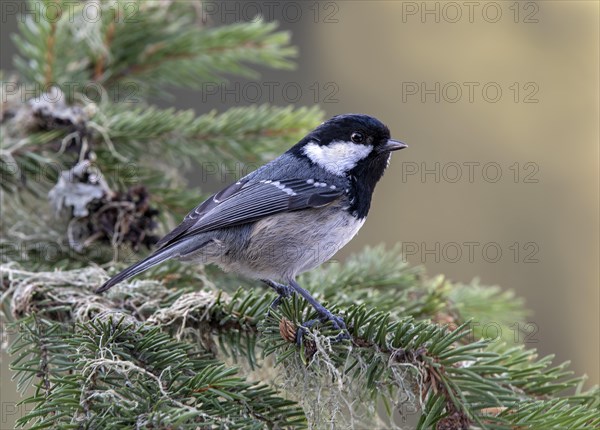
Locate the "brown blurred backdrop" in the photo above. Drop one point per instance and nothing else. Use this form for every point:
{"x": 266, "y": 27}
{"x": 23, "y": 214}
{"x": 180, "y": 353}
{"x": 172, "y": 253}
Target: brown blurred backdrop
{"x": 498, "y": 102}
{"x": 542, "y": 132}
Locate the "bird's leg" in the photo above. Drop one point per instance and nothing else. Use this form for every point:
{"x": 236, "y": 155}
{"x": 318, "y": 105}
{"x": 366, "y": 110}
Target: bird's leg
{"x": 284, "y": 291}
{"x": 324, "y": 314}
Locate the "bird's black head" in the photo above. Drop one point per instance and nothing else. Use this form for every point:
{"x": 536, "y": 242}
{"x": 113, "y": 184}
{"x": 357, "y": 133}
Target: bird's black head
{"x": 347, "y": 144}
{"x": 354, "y": 146}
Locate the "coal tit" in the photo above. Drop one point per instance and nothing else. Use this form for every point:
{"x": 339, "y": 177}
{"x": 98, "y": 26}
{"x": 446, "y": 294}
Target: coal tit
{"x": 289, "y": 215}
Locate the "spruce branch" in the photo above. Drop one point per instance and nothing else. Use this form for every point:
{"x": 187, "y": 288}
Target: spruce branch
{"x": 142, "y": 46}
{"x": 123, "y": 372}
{"x": 195, "y": 57}
{"x": 253, "y": 134}
{"x": 454, "y": 379}
{"x": 196, "y": 350}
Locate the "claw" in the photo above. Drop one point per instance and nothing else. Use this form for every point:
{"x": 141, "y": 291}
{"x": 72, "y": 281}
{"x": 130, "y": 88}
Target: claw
{"x": 283, "y": 291}
{"x": 303, "y": 329}
{"x": 282, "y": 295}
{"x": 337, "y": 322}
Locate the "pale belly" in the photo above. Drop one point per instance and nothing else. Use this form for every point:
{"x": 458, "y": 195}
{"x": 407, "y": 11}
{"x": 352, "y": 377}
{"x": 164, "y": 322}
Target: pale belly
{"x": 284, "y": 245}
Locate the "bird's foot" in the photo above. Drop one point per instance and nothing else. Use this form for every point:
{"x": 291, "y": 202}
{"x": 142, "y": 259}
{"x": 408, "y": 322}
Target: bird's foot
{"x": 324, "y": 315}
{"x": 284, "y": 292}
{"x": 336, "y": 321}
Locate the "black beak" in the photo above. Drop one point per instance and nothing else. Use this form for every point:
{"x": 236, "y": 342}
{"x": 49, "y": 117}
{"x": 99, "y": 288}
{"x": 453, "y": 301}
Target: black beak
{"x": 392, "y": 145}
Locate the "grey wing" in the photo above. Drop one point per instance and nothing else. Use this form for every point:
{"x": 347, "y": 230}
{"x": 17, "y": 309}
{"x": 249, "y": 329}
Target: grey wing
{"x": 192, "y": 217}
{"x": 245, "y": 202}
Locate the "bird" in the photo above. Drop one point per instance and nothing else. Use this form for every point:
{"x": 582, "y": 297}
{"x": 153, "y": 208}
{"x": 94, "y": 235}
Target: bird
{"x": 289, "y": 215}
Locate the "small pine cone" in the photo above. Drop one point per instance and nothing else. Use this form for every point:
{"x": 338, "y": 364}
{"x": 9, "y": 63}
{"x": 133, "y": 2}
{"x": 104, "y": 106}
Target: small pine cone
{"x": 287, "y": 329}
{"x": 454, "y": 421}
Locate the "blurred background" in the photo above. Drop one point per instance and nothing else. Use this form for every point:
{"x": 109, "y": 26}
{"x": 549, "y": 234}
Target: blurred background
{"x": 499, "y": 104}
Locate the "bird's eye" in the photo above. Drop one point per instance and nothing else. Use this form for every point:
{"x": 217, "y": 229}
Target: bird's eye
{"x": 357, "y": 137}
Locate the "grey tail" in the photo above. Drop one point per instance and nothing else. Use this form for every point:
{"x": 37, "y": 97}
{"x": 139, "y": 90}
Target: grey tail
{"x": 158, "y": 257}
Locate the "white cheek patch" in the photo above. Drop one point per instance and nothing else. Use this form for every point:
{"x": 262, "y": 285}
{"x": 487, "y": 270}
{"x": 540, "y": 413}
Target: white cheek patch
{"x": 338, "y": 157}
